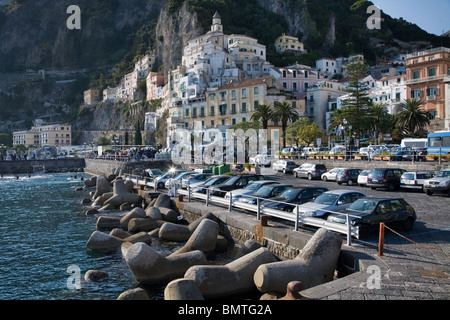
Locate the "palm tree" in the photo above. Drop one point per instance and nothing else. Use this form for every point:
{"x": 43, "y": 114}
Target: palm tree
{"x": 336, "y": 119}
{"x": 411, "y": 118}
{"x": 381, "y": 120}
{"x": 284, "y": 112}
{"x": 263, "y": 113}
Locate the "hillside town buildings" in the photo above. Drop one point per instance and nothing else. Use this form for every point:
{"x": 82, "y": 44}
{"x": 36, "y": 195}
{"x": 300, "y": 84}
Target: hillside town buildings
{"x": 222, "y": 79}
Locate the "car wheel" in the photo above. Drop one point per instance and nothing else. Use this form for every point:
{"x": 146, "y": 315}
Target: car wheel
{"x": 429, "y": 193}
{"x": 295, "y": 174}
{"x": 284, "y": 171}
{"x": 373, "y": 188}
{"x": 350, "y": 182}
{"x": 161, "y": 185}
{"x": 391, "y": 187}
{"x": 324, "y": 178}
{"x": 408, "y": 224}
{"x": 309, "y": 176}
{"x": 339, "y": 183}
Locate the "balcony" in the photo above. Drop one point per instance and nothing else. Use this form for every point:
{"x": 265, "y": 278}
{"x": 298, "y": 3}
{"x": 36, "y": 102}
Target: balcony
{"x": 425, "y": 79}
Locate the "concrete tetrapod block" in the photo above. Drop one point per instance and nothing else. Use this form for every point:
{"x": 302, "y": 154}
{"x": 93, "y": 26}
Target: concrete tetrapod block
{"x": 178, "y": 232}
{"x": 235, "y": 277}
{"x": 149, "y": 266}
{"x": 121, "y": 195}
{"x": 182, "y": 289}
{"x": 102, "y": 186}
{"x": 204, "y": 238}
{"x": 313, "y": 266}
{"x": 102, "y": 242}
{"x": 135, "y": 213}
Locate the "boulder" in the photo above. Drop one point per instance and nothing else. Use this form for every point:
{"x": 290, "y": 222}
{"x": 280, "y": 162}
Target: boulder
{"x": 95, "y": 275}
{"x": 168, "y": 214}
{"x": 142, "y": 224}
{"x": 154, "y": 213}
{"x": 163, "y": 201}
{"x": 91, "y": 182}
{"x": 99, "y": 201}
{"x": 108, "y": 222}
{"x": 139, "y": 237}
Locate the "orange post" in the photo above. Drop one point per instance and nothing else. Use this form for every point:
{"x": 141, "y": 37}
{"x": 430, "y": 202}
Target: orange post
{"x": 381, "y": 240}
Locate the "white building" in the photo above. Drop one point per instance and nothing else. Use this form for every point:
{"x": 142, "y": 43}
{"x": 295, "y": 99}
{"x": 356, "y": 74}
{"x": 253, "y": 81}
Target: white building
{"x": 390, "y": 91}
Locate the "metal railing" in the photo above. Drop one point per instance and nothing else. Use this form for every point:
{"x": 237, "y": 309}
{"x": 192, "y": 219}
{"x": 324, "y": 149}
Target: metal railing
{"x": 348, "y": 229}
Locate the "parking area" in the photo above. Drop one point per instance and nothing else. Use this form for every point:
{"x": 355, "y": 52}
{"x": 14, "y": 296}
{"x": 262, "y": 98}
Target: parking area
{"x": 432, "y": 211}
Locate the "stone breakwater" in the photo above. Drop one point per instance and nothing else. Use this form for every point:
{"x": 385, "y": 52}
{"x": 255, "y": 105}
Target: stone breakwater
{"x": 130, "y": 219}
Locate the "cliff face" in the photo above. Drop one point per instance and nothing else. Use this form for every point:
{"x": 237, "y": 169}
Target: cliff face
{"x": 34, "y": 34}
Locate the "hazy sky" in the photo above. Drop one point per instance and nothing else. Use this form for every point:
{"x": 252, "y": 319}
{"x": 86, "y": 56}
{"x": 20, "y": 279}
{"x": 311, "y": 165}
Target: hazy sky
{"x": 432, "y": 16}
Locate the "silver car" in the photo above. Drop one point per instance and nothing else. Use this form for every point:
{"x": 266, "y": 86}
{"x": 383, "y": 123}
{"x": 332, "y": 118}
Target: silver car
{"x": 329, "y": 201}
{"x": 249, "y": 189}
{"x": 194, "y": 178}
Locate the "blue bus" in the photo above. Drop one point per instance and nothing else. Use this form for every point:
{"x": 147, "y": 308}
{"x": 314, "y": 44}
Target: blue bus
{"x": 439, "y": 142}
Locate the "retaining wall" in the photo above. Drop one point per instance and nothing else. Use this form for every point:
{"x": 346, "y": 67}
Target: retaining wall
{"x": 31, "y": 166}
{"x": 98, "y": 166}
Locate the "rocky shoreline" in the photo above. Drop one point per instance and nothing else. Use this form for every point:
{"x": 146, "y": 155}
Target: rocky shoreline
{"x": 190, "y": 272}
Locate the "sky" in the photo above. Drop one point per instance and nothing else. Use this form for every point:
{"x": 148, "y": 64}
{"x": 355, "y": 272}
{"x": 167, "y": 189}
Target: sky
{"x": 432, "y": 16}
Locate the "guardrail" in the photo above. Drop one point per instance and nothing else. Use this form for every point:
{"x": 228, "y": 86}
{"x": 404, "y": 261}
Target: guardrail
{"x": 296, "y": 217}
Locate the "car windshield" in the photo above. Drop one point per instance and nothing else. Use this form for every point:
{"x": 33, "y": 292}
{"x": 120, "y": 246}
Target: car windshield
{"x": 231, "y": 181}
{"x": 252, "y": 186}
{"x": 364, "y": 173}
{"x": 326, "y": 198}
{"x": 377, "y": 173}
{"x": 264, "y": 191}
{"x": 362, "y": 206}
{"x": 212, "y": 181}
{"x": 408, "y": 176}
{"x": 289, "y": 194}
{"x": 443, "y": 174}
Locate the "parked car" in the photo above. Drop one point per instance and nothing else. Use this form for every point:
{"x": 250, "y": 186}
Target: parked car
{"x": 201, "y": 187}
{"x": 284, "y": 165}
{"x": 401, "y": 153}
{"x": 194, "y": 178}
{"x": 249, "y": 189}
{"x": 265, "y": 192}
{"x": 310, "y": 171}
{"x": 368, "y": 213}
{"x": 348, "y": 176}
{"x": 440, "y": 183}
{"x": 235, "y": 182}
{"x": 414, "y": 180}
{"x": 153, "y": 173}
{"x": 337, "y": 150}
{"x": 329, "y": 201}
{"x": 176, "y": 182}
{"x": 306, "y": 151}
{"x": 384, "y": 178}
{"x": 289, "y": 198}
{"x": 362, "y": 178}
{"x": 330, "y": 175}
{"x": 260, "y": 159}
{"x": 161, "y": 180}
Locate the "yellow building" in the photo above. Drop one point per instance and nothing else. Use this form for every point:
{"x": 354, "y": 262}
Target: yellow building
{"x": 289, "y": 43}
{"x": 235, "y": 102}
{"x": 41, "y": 135}
{"x": 91, "y": 97}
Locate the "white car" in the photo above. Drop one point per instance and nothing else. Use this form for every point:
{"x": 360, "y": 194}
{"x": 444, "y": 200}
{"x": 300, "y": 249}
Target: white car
{"x": 362, "y": 177}
{"x": 176, "y": 182}
{"x": 260, "y": 159}
{"x": 330, "y": 175}
{"x": 414, "y": 180}
{"x": 161, "y": 180}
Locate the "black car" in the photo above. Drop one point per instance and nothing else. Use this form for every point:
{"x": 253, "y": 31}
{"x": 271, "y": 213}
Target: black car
{"x": 235, "y": 182}
{"x": 384, "y": 178}
{"x": 368, "y": 213}
{"x": 348, "y": 176}
{"x": 265, "y": 192}
{"x": 214, "y": 180}
{"x": 289, "y": 198}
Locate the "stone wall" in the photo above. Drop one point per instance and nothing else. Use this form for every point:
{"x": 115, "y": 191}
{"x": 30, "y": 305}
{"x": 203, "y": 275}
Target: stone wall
{"x": 97, "y": 166}
{"x": 31, "y": 166}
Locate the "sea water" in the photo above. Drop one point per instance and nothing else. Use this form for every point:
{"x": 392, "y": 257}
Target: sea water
{"x": 43, "y": 232}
